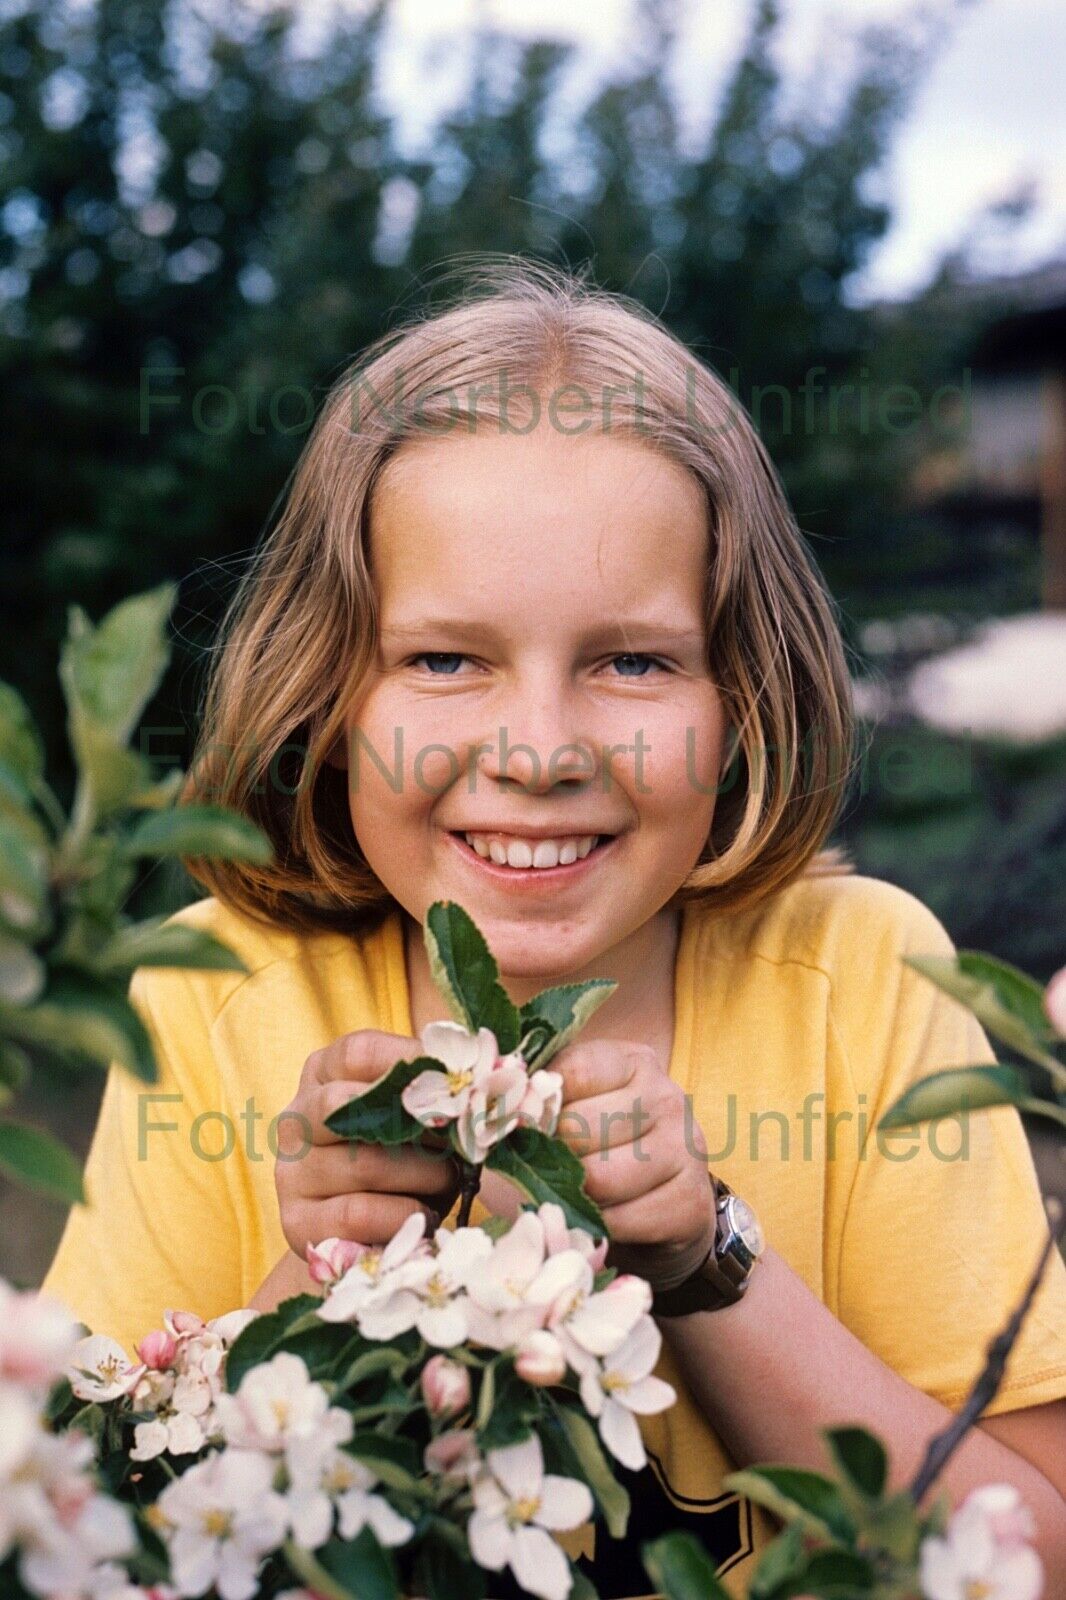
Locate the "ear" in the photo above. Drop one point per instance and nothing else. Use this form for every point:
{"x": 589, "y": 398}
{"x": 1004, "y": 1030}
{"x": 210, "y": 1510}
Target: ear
{"x": 337, "y": 754}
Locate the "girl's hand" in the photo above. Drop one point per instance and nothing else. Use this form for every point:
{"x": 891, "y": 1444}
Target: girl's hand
{"x": 644, "y": 1156}
{"x": 330, "y": 1188}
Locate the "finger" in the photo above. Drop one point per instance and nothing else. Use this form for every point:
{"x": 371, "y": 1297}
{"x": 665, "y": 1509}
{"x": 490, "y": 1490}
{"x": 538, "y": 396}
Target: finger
{"x": 365, "y": 1218}
{"x": 362, "y": 1057}
{"x": 614, "y": 1176}
{"x": 666, "y": 1215}
{"x": 598, "y": 1066}
{"x": 606, "y": 1121}
{"x": 341, "y": 1169}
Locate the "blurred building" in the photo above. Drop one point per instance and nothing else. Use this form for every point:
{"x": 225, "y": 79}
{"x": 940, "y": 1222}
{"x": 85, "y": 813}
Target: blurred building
{"x": 1008, "y": 466}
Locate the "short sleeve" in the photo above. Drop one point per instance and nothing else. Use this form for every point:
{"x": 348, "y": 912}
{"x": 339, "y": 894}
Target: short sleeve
{"x": 159, "y": 1230}
{"x": 944, "y": 1222}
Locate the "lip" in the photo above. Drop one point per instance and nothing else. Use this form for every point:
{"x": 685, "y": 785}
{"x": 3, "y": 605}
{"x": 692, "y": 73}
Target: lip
{"x": 527, "y": 880}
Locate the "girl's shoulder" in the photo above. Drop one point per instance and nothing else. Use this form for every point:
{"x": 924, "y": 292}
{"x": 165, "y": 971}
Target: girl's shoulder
{"x": 837, "y": 923}
{"x": 269, "y": 953}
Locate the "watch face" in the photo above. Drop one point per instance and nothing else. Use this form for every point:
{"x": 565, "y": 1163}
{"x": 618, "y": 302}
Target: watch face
{"x": 746, "y": 1224}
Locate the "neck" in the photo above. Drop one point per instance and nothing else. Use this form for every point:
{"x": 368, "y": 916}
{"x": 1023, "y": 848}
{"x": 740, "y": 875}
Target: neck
{"x": 642, "y": 965}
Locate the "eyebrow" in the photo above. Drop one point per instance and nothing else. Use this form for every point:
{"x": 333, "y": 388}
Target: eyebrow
{"x": 459, "y": 627}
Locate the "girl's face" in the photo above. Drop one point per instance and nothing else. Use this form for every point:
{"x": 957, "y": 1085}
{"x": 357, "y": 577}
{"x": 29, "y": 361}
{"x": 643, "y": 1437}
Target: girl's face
{"x": 540, "y": 681}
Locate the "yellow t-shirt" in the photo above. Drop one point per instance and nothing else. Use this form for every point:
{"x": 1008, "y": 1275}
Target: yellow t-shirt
{"x": 920, "y": 1244}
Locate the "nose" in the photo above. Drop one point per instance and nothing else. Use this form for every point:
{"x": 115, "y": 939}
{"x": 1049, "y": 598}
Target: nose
{"x": 537, "y": 747}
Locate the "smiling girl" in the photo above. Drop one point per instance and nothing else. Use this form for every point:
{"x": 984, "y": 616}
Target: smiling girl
{"x": 536, "y": 632}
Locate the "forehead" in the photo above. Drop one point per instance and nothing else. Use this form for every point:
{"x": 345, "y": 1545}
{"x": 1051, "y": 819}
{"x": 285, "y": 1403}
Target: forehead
{"x": 607, "y": 516}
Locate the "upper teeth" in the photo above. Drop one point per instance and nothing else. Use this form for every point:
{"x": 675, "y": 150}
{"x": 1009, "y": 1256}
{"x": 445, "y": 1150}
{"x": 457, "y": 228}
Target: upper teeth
{"x": 511, "y": 852}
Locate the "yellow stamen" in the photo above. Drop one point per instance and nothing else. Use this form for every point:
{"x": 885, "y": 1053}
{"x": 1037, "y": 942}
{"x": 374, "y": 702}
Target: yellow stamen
{"x": 523, "y": 1510}
{"x": 458, "y": 1081}
{"x": 218, "y": 1523}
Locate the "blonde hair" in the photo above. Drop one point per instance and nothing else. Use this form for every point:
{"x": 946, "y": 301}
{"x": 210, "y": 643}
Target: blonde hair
{"x": 300, "y": 635}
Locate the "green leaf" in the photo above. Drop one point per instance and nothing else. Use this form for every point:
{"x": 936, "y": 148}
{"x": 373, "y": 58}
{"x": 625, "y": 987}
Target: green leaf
{"x": 780, "y": 1562}
{"x": 84, "y": 1016}
{"x": 395, "y": 1460}
{"x": 22, "y": 973}
{"x": 681, "y": 1569}
{"x": 378, "y": 1115}
{"x": 210, "y": 831}
{"x": 794, "y": 1494}
{"x": 370, "y": 1364}
{"x": 1007, "y": 1003}
{"x": 593, "y": 1468}
{"x": 441, "y": 1572}
{"x": 32, "y": 1157}
{"x": 860, "y": 1456}
{"x": 366, "y": 1571}
{"x": 465, "y": 971}
{"x": 544, "y": 1169}
{"x": 109, "y": 673}
{"x": 20, "y": 743}
{"x": 581, "y": 1587}
{"x": 14, "y": 1065}
{"x": 835, "y": 1575}
{"x": 259, "y": 1340}
{"x": 957, "y": 1089}
{"x": 562, "y": 1012}
{"x": 23, "y": 877}
{"x": 515, "y": 1408}
{"x": 160, "y": 943}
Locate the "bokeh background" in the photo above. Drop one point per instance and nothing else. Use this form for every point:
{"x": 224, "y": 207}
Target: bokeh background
{"x": 855, "y": 212}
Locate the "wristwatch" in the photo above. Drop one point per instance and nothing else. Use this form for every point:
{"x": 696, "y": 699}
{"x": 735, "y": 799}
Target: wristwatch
{"x": 723, "y": 1276}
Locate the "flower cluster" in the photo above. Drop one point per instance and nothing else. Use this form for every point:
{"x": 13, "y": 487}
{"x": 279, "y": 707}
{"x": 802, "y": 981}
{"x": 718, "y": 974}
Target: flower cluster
{"x": 177, "y": 1380}
{"x": 69, "y": 1536}
{"x": 984, "y": 1550}
{"x": 283, "y": 1472}
{"x": 534, "y": 1293}
{"x": 482, "y": 1094}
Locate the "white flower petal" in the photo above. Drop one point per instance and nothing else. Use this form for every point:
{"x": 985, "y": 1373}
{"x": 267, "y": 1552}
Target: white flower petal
{"x": 647, "y": 1396}
{"x": 539, "y": 1564}
{"x": 621, "y": 1434}
{"x": 518, "y": 1467}
{"x": 490, "y": 1540}
{"x": 564, "y": 1503}
{"x": 443, "y": 1326}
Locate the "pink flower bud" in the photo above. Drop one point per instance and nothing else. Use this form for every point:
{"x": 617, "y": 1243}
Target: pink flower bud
{"x": 1055, "y": 1002}
{"x": 329, "y": 1261}
{"x": 181, "y": 1323}
{"x": 157, "y": 1350}
{"x": 445, "y": 1387}
{"x": 453, "y": 1454}
{"x": 539, "y": 1359}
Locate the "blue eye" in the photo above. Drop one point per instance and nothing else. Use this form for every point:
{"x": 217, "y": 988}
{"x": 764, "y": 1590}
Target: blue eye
{"x": 642, "y": 663}
{"x": 451, "y": 660}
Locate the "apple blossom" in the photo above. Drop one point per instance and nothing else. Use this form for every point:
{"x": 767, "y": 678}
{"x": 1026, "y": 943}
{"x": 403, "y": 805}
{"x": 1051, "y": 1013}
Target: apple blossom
{"x": 517, "y": 1506}
{"x": 220, "y": 1520}
{"x": 329, "y": 1261}
{"x": 37, "y": 1335}
{"x": 453, "y": 1454}
{"x": 157, "y": 1350}
{"x": 323, "y": 1478}
{"x": 984, "y": 1550}
{"x": 542, "y": 1101}
{"x": 277, "y": 1402}
{"x": 436, "y": 1098}
{"x": 558, "y": 1237}
{"x": 100, "y": 1370}
{"x": 540, "y": 1358}
{"x": 445, "y": 1387}
{"x": 493, "y": 1109}
{"x": 374, "y": 1271}
{"x": 426, "y": 1293}
{"x": 622, "y": 1388}
{"x": 508, "y": 1298}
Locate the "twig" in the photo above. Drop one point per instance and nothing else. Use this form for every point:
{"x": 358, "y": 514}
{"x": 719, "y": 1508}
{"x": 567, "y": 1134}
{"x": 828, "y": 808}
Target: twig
{"x": 470, "y": 1185}
{"x": 984, "y": 1389}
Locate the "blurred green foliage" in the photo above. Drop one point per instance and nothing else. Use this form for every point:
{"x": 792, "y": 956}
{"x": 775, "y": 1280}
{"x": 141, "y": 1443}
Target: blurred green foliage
{"x": 193, "y": 198}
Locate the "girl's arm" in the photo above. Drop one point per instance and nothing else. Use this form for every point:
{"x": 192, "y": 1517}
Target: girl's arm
{"x": 290, "y": 1277}
{"x": 772, "y": 1370}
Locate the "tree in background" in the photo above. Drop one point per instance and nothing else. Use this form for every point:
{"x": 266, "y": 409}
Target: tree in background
{"x": 206, "y": 202}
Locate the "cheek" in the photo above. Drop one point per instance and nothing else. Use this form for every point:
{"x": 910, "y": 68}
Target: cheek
{"x": 681, "y": 769}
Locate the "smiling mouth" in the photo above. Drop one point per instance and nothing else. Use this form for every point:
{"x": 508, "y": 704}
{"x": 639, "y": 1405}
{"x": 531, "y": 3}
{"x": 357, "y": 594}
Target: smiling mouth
{"x": 532, "y": 857}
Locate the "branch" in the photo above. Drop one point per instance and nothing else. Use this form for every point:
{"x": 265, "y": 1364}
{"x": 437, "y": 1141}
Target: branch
{"x": 942, "y": 1445}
